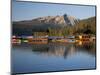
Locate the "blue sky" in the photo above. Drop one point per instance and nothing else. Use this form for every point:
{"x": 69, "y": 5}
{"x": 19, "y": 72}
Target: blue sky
{"x": 31, "y": 10}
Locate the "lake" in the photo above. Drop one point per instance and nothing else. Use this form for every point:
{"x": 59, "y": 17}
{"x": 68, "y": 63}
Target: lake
{"x": 52, "y": 57}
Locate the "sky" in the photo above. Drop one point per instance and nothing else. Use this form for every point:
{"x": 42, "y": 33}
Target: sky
{"x": 31, "y": 10}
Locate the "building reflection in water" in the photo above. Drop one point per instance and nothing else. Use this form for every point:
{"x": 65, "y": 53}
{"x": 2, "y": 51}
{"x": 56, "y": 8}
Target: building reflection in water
{"x": 88, "y": 47}
{"x": 65, "y": 50}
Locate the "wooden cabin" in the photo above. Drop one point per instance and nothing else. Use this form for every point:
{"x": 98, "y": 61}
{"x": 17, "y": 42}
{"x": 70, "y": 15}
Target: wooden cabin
{"x": 83, "y": 38}
{"x": 38, "y": 40}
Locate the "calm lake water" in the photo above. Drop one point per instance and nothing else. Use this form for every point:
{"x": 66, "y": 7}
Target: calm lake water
{"x": 52, "y": 57}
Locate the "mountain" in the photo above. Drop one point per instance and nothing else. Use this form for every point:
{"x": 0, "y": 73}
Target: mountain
{"x": 42, "y": 24}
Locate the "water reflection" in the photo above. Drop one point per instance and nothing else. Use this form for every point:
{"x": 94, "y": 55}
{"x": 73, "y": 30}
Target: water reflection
{"x": 52, "y": 57}
{"x": 64, "y": 50}
{"x": 88, "y": 47}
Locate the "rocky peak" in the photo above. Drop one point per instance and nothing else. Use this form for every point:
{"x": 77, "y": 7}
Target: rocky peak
{"x": 61, "y": 20}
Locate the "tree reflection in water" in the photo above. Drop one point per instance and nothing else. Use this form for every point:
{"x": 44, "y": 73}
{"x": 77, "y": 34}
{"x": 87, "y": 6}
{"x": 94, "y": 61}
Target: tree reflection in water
{"x": 65, "y": 50}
